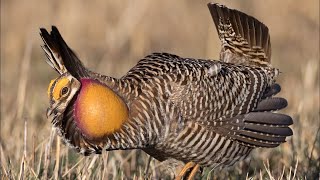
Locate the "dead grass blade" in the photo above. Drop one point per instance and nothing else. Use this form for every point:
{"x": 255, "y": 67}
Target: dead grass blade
{"x": 57, "y": 166}
{"x": 73, "y": 167}
{"x": 47, "y": 154}
{"x": 23, "y": 79}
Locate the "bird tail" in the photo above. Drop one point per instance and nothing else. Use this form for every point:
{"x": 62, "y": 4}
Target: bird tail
{"x": 245, "y": 40}
{"x": 257, "y": 129}
{"x": 262, "y": 127}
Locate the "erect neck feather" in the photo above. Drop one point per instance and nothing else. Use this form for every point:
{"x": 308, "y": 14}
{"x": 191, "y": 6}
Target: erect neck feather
{"x": 99, "y": 111}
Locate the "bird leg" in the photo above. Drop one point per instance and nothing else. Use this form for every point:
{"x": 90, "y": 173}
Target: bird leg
{"x": 193, "y": 172}
{"x": 190, "y": 165}
{"x": 147, "y": 168}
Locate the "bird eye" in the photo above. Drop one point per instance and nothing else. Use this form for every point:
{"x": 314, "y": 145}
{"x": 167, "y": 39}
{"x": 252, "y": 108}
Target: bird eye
{"x": 64, "y": 91}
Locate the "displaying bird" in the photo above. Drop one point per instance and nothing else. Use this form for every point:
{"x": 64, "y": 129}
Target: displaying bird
{"x": 206, "y": 113}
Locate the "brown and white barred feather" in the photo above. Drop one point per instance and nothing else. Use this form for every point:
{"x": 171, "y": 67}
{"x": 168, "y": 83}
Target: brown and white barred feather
{"x": 215, "y": 112}
{"x": 245, "y": 40}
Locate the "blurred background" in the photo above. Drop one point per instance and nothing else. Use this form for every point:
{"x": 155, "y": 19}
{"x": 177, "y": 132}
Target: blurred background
{"x": 110, "y": 37}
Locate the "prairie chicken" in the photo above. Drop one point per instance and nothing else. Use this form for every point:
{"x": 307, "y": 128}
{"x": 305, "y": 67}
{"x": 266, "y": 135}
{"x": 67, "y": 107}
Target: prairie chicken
{"x": 206, "y": 113}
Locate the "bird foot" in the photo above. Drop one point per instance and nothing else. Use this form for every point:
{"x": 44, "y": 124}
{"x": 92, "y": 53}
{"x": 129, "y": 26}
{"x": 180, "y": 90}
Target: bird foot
{"x": 190, "y": 165}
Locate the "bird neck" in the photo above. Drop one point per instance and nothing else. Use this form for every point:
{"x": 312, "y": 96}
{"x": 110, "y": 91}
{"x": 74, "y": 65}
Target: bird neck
{"x": 99, "y": 111}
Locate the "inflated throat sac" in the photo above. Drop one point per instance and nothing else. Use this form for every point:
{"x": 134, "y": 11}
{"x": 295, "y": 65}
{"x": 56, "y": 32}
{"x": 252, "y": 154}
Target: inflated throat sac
{"x": 98, "y": 110}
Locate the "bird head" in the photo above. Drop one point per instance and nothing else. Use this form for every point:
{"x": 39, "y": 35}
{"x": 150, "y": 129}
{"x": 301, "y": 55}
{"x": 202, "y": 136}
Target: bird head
{"x": 60, "y": 93}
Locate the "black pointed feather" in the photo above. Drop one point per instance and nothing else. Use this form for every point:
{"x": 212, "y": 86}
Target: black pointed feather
{"x": 276, "y": 88}
{"x": 248, "y": 141}
{"x": 257, "y": 129}
{"x": 271, "y": 91}
{"x": 54, "y": 44}
{"x": 51, "y": 50}
{"x": 268, "y": 118}
{"x": 71, "y": 61}
{"x": 280, "y": 131}
{"x": 271, "y": 104}
{"x": 261, "y": 136}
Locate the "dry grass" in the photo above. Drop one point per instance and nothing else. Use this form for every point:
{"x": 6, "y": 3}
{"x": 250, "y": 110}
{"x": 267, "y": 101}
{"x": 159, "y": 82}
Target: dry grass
{"x": 110, "y": 37}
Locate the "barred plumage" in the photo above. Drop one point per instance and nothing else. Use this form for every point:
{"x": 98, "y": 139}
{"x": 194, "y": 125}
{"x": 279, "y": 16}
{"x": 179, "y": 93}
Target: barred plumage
{"x": 212, "y": 113}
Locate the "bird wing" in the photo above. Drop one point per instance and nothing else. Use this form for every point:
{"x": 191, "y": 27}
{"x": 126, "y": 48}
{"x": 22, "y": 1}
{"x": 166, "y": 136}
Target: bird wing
{"x": 245, "y": 40}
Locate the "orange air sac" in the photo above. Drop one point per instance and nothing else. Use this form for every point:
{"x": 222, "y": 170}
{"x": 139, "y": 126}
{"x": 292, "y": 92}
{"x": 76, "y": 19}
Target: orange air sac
{"x": 98, "y": 110}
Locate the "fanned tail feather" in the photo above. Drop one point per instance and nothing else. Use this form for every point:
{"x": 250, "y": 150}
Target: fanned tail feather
{"x": 245, "y": 40}
{"x": 271, "y": 104}
{"x": 271, "y": 91}
{"x": 257, "y": 129}
{"x": 265, "y": 129}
